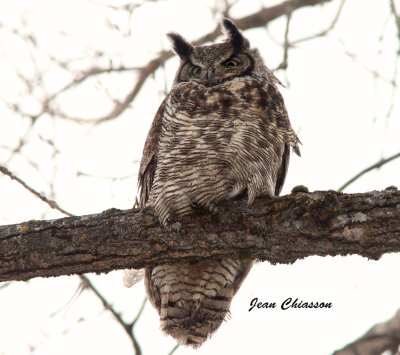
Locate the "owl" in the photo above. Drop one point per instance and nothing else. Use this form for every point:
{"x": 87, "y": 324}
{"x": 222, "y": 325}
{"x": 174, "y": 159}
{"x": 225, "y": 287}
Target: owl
{"x": 221, "y": 133}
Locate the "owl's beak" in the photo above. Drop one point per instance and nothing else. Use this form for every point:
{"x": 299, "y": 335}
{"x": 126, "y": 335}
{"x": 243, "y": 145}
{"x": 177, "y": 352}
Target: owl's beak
{"x": 210, "y": 74}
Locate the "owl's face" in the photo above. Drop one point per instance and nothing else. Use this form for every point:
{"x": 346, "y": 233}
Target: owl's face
{"x": 213, "y": 64}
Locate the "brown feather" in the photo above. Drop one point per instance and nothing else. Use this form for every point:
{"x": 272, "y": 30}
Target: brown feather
{"x": 283, "y": 170}
{"x": 148, "y": 164}
{"x": 223, "y": 131}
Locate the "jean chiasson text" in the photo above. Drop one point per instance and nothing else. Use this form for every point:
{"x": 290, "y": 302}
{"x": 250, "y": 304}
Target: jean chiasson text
{"x": 289, "y": 303}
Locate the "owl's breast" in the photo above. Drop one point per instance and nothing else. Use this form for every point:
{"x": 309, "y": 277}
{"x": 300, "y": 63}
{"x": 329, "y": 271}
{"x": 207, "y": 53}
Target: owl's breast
{"x": 228, "y": 99}
{"x": 215, "y": 143}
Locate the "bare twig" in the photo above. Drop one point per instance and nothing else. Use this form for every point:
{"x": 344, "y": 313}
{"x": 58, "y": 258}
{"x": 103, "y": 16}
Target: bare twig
{"x": 174, "y": 349}
{"x": 73, "y": 298}
{"x": 377, "y": 165}
{"x": 379, "y": 339}
{"x": 82, "y": 76}
{"x": 132, "y": 324}
{"x": 286, "y": 44}
{"x": 258, "y": 19}
{"x": 22, "y": 141}
{"x": 5, "y": 284}
{"x": 112, "y": 178}
{"x": 325, "y": 31}
{"x": 128, "y": 327}
{"x": 51, "y": 203}
{"x": 396, "y": 64}
{"x": 86, "y": 282}
{"x": 79, "y": 78}
{"x": 375, "y": 73}
{"x": 394, "y": 87}
{"x": 396, "y": 16}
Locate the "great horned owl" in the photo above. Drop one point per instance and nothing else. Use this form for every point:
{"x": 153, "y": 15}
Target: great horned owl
{"x": 222, "y": 132}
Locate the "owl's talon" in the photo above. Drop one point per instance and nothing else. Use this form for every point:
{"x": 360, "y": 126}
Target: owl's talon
{"x": 175, "y": 227}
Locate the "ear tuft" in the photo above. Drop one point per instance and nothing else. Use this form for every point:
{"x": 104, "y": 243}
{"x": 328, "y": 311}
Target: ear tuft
{"x": 236, "y": 37}
{"x": 182, "y": 47}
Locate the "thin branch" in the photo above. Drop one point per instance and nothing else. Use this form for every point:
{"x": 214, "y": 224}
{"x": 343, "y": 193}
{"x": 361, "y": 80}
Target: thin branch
{"x": 174, "y": 349}
{"x": 143, "y": 74}
{"x": 79, "y": 78}
{"x": 113, "y": 178}
{"x": 379, "y": 339}
{"x": 325, "y": 31}
{"x": 394, "y": 88}
{"x": 73, "y": 298}
{"x": 85, "y": 280}
{"x": 128, "y": 327}
{"x": 375, "y": 73}
{"x": 258, "y": 19}
{"x": 23, "y": 139}
{"x": 4, "y": 285}
{"x": 86, "y": 74}
{"x": 284, "y": 64}
{"x": 377, "y": 165}
{"x": 141, "y": 309}
{"x": 396, "y": 64}
{"x": 396, "y": 16}
{"x": 51, "y": 203}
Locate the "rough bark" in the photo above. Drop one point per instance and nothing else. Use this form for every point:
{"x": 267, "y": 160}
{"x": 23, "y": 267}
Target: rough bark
{"x": 281, "y": 230}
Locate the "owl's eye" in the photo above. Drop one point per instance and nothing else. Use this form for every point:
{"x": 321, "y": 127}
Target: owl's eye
{"x": 231, "y": 63}
{"x": 196, "y": 70}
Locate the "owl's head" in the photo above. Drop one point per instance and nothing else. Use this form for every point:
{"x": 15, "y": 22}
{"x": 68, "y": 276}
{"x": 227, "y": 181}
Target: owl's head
{"x": 213, "y": 64}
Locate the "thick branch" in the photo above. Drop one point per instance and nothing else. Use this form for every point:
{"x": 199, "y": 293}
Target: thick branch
{"x": 280, "y": 231}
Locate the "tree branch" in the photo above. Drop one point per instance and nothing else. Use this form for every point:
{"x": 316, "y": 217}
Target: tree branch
{"x": 127, "y": 327}
{"x": 326, "y": 30}
{"x": 281, "y": 230}
{"x": 377, "y": 165}
{"x": 51, "y": 203}
{"x": 257, "y": 19}
{"x": 379, "y": 339}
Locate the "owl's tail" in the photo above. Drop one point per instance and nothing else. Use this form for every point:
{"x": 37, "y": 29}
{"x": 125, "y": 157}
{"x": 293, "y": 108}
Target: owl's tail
{"x": 194, "y": 299}
{"x": 192, "y": 324}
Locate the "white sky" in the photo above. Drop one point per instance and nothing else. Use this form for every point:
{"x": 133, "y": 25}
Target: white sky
{"x": 335, "y": 105}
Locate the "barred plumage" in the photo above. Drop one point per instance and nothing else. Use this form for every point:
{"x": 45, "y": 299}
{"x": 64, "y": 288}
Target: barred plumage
{"x": 194, "y": 299}
{"x": 221, "y": 132}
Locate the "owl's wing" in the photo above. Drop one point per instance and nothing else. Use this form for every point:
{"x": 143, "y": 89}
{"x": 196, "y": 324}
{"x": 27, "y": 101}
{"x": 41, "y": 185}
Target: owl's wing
{"x": 287, "y": 134}
{"x": 285, "y": 162}
{"x": 148, "y": 163}
{"x": 132, "y": 277}
{"x": 153, "y": 292}
{"x": 282, "y": 170}
{"x": 244, "y": 269}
